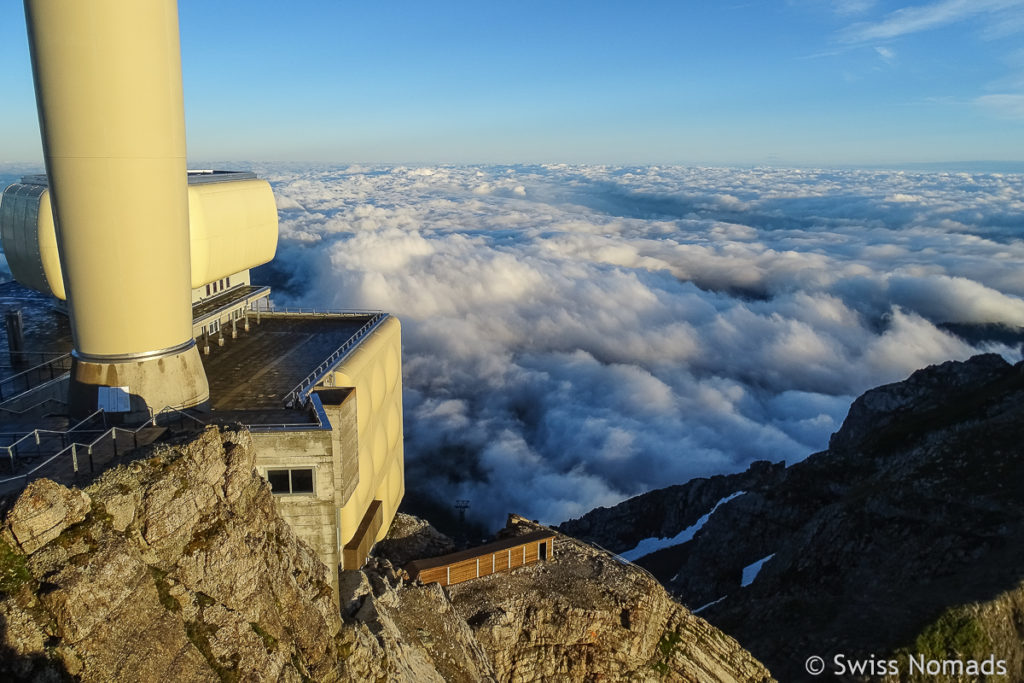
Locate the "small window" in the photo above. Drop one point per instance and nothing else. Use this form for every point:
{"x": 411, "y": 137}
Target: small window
{"x": 279, "y": 481}
{"x": 283, "y": 482}
{"x": 302, "y": 481}
{"x": 207, "y": 290}
{"x": 227, "y": 281}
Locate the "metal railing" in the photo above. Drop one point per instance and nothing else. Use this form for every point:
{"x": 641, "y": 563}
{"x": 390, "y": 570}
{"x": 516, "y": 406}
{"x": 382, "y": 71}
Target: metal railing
{"x": 182, "y": 416}
{"x": 72, "y": 446}
{"x": 322, "y": 422}
{"x": 17, "y": 358}
{"x": 301, "y": 392}
{"x": 80, "y": 441}
{"x": 18, "y": 384}
{"x": 69, "y": 446}
{"x": 33, "y": 407}
{"x": 267, "y": 306}
{"x": 34, "y": 441}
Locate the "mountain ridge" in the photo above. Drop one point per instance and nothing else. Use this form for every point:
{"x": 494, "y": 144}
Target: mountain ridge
{"x": 902, "y": 535}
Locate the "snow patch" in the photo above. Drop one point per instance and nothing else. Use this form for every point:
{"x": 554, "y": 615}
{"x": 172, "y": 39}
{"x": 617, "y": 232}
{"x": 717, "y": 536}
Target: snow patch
{"x": 704, "y": 607}
{"x": 751, "y": 571}
{"x": 649, "y": 545}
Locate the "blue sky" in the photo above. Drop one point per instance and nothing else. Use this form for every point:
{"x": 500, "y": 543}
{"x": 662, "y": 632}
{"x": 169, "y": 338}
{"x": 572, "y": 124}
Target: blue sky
{"x": 803, "y": 82}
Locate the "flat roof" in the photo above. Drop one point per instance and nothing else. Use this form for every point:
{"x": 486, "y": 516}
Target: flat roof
{"x": 257, "y": 370}
{"x": 250, "y": 376}
{"x": 495, "y": 546}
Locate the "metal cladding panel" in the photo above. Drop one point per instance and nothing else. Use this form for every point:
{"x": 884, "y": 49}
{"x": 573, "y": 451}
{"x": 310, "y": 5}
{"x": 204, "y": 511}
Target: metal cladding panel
{"x": 375, "y": 370}
{"x": 108, "y": 85}
{"x": 232, "y": 227}
{"x": 28, "y": 238}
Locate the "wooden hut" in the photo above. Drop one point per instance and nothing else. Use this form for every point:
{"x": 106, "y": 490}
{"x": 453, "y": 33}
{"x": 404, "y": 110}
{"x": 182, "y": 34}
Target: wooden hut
{"x": 508, "y": 553}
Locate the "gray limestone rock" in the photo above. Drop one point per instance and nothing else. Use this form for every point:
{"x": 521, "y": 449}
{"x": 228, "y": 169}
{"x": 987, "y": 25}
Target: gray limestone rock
{"x": 179, "y": 567}
{"x": 43, "y": 511}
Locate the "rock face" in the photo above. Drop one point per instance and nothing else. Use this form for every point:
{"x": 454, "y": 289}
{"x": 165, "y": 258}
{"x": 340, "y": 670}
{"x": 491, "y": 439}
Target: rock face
{"x": 178, "y": 567}
{"x": 663, "y": 513}
{"x": 174, "y": 567}
{"x": 902, "y": 539}
{"x": 581, "y": 615}
{"x": 586, "y": 615}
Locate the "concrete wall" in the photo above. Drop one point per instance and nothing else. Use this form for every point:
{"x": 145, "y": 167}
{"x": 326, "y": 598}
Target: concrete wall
{"x": 359, "y": 460}
{"x": 332, "y": 454}
{"x": 313, "y": 517}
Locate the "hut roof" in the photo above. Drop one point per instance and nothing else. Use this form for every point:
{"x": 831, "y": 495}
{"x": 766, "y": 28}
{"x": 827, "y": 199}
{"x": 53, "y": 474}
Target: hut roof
{"x": 417, "y": 566}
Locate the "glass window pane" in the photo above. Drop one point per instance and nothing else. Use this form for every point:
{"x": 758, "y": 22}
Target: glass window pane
{"x": 302, "y": 481}
{"x": 278, "y": 480}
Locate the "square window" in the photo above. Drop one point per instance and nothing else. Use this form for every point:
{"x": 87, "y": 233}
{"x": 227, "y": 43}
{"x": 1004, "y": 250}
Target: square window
{"x": 284, "y": 482}
{"x": 302, "y": 481}
{"x": 278, "y": 481}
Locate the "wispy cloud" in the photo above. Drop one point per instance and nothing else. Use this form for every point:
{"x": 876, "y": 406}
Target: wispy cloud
{"x": 1006, "y": 105}
{"x": 852, "y": 6}
{"x": 886, "y": 53}
{"x": 919, "y": 18}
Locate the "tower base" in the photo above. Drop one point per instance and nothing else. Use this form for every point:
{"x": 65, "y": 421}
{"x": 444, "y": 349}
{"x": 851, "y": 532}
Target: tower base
{"x": 136, "y": 388}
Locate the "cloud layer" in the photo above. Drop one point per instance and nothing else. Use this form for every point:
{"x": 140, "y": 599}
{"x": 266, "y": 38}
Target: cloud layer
{"x": 575, "y": 335}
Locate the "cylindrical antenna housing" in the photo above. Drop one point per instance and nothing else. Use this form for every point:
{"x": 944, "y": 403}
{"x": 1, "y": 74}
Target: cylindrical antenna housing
{"x": 109, "y": 91}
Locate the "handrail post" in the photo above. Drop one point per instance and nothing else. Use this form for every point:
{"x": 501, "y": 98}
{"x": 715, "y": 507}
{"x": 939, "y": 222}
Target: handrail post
{"x": 74, "y": 457}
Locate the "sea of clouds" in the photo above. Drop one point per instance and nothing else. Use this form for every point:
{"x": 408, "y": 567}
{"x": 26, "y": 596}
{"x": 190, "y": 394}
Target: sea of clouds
{"x": 575, "y": 335}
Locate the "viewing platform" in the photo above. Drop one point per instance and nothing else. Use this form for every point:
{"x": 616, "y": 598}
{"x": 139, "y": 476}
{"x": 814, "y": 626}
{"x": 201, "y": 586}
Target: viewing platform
{"x": 256, "y": 377}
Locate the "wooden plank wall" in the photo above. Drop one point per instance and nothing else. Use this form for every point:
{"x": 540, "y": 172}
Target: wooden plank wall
{"x": 487, "y": 563}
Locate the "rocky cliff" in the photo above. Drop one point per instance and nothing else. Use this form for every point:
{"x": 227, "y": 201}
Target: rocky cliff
{"x": 582, "y": 615}
{"x": 902, "y": 540}
{"x": 663, "y": 513}
{"x": 176, "y": 566}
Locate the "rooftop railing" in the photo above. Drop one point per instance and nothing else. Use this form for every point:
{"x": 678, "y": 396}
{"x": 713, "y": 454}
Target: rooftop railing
{"x": 267, "y": 306}
{"x": 300, "y": 393}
